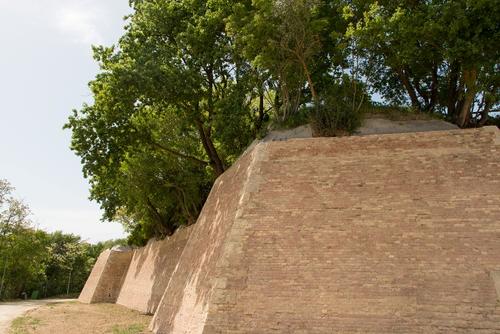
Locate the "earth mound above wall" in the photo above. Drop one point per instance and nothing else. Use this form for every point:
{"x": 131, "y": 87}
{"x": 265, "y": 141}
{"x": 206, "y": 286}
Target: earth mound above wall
{"x": 372, "y": 125}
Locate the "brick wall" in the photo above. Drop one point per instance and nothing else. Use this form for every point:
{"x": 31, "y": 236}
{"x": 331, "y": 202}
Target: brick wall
{"x": 106, "y": 278}
{"x": 388, "y": 233}
{"x": 149, "y": 272}
{"x": 93, "y": 280}
{"x": 184, "y": 307}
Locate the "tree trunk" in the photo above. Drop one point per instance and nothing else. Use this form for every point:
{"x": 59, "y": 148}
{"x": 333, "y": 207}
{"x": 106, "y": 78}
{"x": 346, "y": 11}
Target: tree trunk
{"x": 470, "y": 77}
{"x": 422, "y": 93}
{"x": 310, "y": 82}
{"x": 261, "y": 108}
{"x": 409, "y": 88}
{"x": 485, "y": 113}
{"x": 452, "y": 90}
{"x": 69, "y": 281}
{"x": 2, "y": 283}
{"x": 210, "y": 98}
{"x": 169, "y": 229}
{"x": 277, "y": 100}
{"x": 209, "y": 147}
{"x": 434, "y": 89}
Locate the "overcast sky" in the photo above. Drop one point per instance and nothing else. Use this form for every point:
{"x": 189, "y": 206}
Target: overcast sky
{"x": 45, "y": 65}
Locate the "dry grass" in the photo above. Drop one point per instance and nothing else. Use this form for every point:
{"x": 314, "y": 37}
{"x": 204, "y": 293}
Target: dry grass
{"x": 77, "y": 318}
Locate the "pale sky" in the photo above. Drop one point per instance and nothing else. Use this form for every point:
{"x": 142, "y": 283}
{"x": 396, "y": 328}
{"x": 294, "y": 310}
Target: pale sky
{"x": 45, "y": 65}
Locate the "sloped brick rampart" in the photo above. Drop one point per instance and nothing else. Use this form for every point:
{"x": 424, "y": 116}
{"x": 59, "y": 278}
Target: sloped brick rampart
{"x": 184, "y": 307}
{"x": 149, "y": 272}
{"x": 93, "y": 280}
{"x": 377, "y": 234}
{"x": 106, "y": 278}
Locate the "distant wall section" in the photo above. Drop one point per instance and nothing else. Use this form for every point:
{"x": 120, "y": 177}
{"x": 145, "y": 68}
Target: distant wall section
{"x": 105, "y": 281}
{"x": 149, "y": 272}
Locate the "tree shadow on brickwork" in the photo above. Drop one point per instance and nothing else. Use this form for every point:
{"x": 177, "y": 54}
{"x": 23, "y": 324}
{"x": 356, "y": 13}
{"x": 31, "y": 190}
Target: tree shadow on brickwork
{"x": 187, "y": 295}
{"x": 150, "y": 271}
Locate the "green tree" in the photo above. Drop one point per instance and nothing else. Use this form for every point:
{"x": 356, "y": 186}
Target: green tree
{"x": 440, "y": 55}
{"x": 172, "y": 109}
{"x": 14, "y": 219}
{"x": 33, "y": 260}
{"x": 297, "y": 44}
{"x": 68, "y": 264}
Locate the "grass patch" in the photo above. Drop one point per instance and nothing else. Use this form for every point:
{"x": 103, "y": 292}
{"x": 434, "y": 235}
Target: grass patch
{"x": 131, "y": 329}
{"x": 22, "y": 325}
{"x": 77, "y": 318}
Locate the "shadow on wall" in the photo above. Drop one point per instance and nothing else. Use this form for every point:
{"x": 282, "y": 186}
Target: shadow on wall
{"x": 185, "y": 305}
{"x": 105, "y": 280}
{"x": 136, "y": 278}
{"x": 150, "y": 270}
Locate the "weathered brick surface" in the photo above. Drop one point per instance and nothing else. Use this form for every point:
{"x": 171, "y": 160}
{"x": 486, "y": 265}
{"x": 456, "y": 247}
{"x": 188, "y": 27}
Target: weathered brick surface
{"x": 184, "y": 306}
{"x": 376, "y": 234}
{"x": 93, "y": 280}
{"x": 106, "y": 278}
{"x": 149, "y": 272}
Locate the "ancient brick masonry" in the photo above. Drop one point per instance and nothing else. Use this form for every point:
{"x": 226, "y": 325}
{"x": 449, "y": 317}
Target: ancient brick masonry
{"x": 377, "y": 234}
{"x": 135, "y": 278}
{"x": 149, "y": 272}
{"x": 106, "y": 278}
{"x": 184, "y": 307}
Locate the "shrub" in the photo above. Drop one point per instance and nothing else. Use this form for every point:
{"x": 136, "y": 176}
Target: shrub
{"x": 340, "y": 110}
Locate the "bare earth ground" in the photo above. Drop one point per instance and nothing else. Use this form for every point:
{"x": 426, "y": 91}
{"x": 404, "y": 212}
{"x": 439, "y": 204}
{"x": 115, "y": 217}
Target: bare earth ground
{"x": 372, "y": 125}
{"x": 11, "y": 310}
{"x": 77, "y": 318}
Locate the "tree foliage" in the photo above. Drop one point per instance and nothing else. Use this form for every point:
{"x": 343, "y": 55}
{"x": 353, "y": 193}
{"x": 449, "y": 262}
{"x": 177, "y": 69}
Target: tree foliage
{"x": 442, "y": 56}
{"x": 191, "y": 83}
{"x": 33, "y": 260}
{"x": 171, "y": 112}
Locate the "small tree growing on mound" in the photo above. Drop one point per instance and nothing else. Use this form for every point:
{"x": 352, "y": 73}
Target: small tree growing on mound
{"x": 340, "y": 111}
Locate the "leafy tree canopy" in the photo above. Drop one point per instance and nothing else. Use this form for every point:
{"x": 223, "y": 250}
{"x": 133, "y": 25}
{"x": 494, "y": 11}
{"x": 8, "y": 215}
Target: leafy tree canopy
{"x": 34, "y": 260}
{"x": 441, "y": 55}
{"x": 191, "y": 83}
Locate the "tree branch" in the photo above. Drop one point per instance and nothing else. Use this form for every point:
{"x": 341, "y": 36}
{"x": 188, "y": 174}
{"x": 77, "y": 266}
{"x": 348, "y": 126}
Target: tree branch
{"x": 179, "y": 154}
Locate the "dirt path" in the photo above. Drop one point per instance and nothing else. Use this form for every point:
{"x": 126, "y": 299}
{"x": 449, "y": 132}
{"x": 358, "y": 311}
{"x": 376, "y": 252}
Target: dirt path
{"x": 10, "y": 311}
{"x": 79, "y": 318}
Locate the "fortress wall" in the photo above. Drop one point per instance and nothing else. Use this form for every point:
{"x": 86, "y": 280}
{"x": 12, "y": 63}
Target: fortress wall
{"x": 93, "y": 280}
{"x": 150, "y": 270}
{"x": 106, "y": 278}
{"x": 184, "y": 306}
{"x": 391, "y": 233}
{"x": 379, "y": 234}
{"x": 385, "y": 233}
